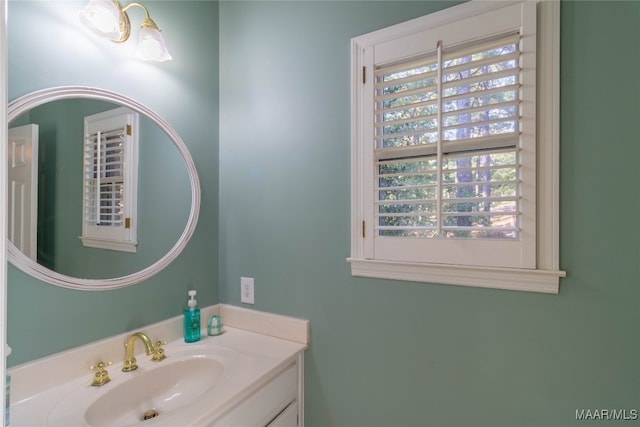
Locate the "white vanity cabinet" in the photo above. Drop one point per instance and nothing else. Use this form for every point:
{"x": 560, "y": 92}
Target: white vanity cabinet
{"x": 276, "y": 403}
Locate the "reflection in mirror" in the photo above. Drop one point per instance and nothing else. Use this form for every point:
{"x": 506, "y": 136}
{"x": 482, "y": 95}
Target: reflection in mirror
{"x": 167, "y": 186}
{"x": 58, "y": 178}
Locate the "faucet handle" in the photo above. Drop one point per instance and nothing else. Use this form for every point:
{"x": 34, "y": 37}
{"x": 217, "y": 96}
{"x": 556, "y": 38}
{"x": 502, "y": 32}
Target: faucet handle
{"x": 158, "y": 351}
{"x": 101, "y": 376}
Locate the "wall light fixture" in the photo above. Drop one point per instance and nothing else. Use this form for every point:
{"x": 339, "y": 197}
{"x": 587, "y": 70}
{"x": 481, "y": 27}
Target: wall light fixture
{"x": 109, "y": 19}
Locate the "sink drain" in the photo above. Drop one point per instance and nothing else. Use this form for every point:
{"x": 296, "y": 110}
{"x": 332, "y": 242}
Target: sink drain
{"x": 151, "y": 413}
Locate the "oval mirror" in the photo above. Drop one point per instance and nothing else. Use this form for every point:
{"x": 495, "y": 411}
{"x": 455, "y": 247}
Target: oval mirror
{"x": 167, "y": 179}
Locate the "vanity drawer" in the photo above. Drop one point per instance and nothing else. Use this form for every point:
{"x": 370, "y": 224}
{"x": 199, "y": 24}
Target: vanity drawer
{"x": 287, "y": 418}
{"x": 268, "y": 404}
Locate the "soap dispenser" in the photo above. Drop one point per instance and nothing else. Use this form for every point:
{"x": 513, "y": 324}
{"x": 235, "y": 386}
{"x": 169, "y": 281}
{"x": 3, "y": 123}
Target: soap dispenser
{"x": 192, "y": 319}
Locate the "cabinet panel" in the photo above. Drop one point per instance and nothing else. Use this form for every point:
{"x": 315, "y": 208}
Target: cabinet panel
{"x": 265, "y": 404}
{"x": 287, "y": 418}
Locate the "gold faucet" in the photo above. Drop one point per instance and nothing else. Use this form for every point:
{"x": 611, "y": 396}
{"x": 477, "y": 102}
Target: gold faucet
{"x": 130, "y": 363}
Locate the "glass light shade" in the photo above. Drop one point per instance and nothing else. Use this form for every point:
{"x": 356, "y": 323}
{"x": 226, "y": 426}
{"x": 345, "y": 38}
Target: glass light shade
{"x": 151, "y": 46}
{"x": 102, "y": 17}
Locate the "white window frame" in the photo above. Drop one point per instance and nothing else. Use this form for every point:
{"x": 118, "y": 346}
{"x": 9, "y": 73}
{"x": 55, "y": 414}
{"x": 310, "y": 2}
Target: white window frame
{"x": 121, "y": 238}
{"x": 542, "y": 274}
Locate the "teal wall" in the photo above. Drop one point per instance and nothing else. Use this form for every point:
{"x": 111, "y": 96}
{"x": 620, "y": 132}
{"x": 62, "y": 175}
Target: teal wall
{"x": 386, "y": 353}
{"x": 56, "y": 50}
{"x": 383, "y": 353}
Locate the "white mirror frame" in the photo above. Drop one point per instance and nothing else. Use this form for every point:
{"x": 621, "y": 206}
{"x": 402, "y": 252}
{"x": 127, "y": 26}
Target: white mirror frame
{"x": 29, "y": 266}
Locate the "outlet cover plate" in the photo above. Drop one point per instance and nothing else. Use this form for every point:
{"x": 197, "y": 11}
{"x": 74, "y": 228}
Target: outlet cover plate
{"x": 246, "y": 290}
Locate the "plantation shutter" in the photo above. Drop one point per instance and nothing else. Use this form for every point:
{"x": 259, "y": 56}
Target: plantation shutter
{"x": 104, "y": 178}
{"x": 110, "y": 180}
{"x": 447, "y": 139}
{"x": 449, "y": 136}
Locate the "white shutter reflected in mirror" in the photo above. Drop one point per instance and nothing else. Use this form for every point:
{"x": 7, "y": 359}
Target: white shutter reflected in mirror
{"x": 110, "y": 180}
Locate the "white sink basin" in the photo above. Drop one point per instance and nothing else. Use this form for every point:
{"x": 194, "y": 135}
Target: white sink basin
{"x": 155, "y": 390}
{"x": 155, "y": 393}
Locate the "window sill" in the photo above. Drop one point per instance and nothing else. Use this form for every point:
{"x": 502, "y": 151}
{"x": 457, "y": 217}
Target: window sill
{"x": 112, "y": 245}
{"x": 544, "y": 281}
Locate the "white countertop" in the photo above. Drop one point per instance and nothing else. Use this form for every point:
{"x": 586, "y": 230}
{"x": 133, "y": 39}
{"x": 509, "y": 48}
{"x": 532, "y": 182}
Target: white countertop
{"x": 51, "y": 390}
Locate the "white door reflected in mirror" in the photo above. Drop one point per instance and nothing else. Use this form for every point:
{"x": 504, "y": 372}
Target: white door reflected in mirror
{"x": 22, "y": 212}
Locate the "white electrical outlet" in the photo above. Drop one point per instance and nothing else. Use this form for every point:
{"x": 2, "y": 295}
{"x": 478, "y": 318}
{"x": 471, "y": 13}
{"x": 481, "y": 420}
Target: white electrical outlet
{"x": 246, "y": 290}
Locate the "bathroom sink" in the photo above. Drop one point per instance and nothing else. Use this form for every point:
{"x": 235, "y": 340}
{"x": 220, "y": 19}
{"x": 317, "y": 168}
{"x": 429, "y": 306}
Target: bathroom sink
{"x": 154, "y": 393}
{"x": 155, "y": 390}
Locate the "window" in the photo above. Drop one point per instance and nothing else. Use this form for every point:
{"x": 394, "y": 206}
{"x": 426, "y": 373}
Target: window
{"x": 110, "y": 180}
{"x": 455, "y": 148}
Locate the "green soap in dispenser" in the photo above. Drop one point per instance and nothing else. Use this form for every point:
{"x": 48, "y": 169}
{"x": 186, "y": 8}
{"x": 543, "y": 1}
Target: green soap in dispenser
{"x": 192, "y": 319}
